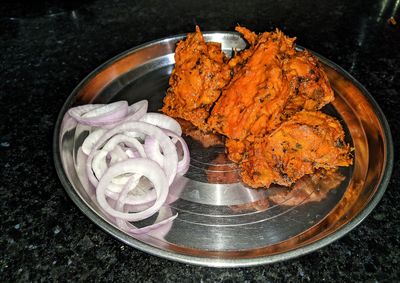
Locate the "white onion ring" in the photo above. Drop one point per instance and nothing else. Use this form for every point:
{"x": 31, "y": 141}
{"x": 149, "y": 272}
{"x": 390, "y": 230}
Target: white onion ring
{"x": 68, "y": 123}
{"x": 121, "y": 201}
{"x": 142, "y": 194}
{"x": 136, "y": 200}
{"x": 116, "y": 159}
{"x": 139, "y": 166}
{"x": 97, "y": 158}
{"x": 162, "y": 121}
{"x": 152, "y": 149}
{"x": 98, "y": 115}
{"x": 127, "y": 140}
{"x": 183, "y": 164}
{"x": 170, "y": 155}
{"x": 78, "y": 111}
{"x": 80, "y": 167}
{"x": 91, "y": 140}
{"x": 99, "y": 164}
{"x": 117, "y": 155}
{"x": 128, "y": 227}
{"x": 132, "y": 153}
{"x": 135, "y": 112}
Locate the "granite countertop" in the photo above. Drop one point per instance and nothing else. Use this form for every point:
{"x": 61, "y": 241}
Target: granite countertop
{"x": 46, "y": 50}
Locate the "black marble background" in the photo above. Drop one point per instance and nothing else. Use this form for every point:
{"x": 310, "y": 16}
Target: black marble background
{"x": 46, "y": 48}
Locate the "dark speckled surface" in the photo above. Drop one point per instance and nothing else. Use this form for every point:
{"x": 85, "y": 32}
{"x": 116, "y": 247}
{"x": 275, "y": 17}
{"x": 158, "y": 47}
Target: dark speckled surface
{"x": 48, "y": 48}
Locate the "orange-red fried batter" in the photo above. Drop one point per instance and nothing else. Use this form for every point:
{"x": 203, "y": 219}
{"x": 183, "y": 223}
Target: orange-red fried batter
{"x": 195, "y": 84}
{"x": 252, "y": 102}
{"x": 264, "y": 100}
{"x": 306, "y": 142}
{"x": 309, "y": 85}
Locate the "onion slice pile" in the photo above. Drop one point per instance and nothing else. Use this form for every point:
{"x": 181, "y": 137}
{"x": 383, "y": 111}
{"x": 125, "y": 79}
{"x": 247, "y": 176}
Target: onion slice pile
{"x": 131, "y": 159}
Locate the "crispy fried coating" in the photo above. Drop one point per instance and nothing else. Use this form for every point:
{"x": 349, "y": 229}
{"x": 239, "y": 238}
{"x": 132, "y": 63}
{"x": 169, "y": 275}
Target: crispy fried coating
{"x": 272, "y": 81}
{"x": 239, "y": 58}
{"x": 264, "y": 102}
{"x": 306, "y": 142}
{"x": 252, "y": 102}
{"x": 309, "y": 85}
{"x": 195, "y": 84}
{"x": 250, "y": 36}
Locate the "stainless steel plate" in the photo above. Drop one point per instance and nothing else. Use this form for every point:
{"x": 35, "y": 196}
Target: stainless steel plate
{"x": 221, "y": 222}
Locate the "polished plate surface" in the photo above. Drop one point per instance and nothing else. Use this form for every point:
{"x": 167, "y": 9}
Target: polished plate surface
{"x": 220, "y": 221}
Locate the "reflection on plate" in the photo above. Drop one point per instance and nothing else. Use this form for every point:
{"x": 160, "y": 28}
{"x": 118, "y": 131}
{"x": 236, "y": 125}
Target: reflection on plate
{"x": 221, "y": 222}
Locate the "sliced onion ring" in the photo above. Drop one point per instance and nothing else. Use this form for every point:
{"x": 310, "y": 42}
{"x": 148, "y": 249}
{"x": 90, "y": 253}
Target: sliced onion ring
{"x": 183, "y": 164}
{"x": 117, "y": 155}
{"x": 97, "y": 158}
{"x": 91, "y": 140}
{"x": 168, "y": 148}
{"x": 162, "y": 121}
{"x": 152, "y": 149}
{"x": 145, "y": 167}
{"x": 99, "y": 115}
{"x": 125, "y": 144}
{"x": 78, "y": 111}
{"x": 135, "y": 112}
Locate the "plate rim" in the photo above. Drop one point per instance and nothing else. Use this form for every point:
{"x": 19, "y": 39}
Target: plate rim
{"x": 223, "y": 262}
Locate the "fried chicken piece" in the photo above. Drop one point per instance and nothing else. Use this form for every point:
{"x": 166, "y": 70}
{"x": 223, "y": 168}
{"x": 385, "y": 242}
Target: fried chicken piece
{"x": 309, "y": 85}
{"x": 251, "y": 104}
{"x": 195, "y": 84}
{"x": 306, "y": 142}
